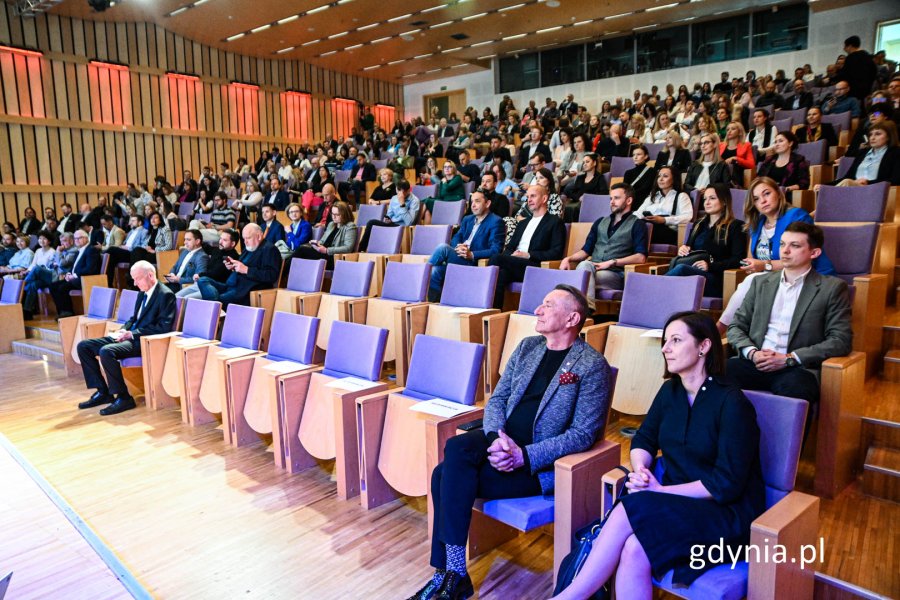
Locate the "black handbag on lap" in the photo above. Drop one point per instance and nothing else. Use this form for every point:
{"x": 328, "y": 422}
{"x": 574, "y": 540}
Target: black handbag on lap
{"x": 690, "y": 258}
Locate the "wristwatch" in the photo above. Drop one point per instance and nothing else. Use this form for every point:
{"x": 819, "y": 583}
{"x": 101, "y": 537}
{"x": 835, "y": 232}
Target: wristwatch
{"x": 791, "y": 362}
{"x": 768, "y": 266}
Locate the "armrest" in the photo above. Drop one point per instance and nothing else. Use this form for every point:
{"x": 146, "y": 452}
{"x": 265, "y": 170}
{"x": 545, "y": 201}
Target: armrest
{"x": 483, "y": 262}
{"x": 658, "y": 269}
{"x": 805, "y": 199}
{"x": 641, "y": 268}
{"x": 792, "y": 524}
{"x": 308, "y": 304}
{"x": 595, "y": 335}
{"x": 263, "y": 298}
{"x": 732, "y": 279}
{"x": 550, "y": 264}
{"x": 439, "y": 429}
{"x": 357, "y": 310}
{"x": 682, "y": 233}
{"x": 613, "y": 484}
{"x": 351, "y": 256}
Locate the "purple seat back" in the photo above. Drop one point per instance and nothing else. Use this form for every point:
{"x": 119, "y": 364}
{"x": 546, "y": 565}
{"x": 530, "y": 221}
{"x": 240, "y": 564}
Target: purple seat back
{"x": 201, "y": 318}
{"x": 840, "y": 121}
{"x": 594, "y": 206}
{"x": 813, "y": 152}
{"x": 306, "y": 275}
{"x": 454, "y": 377}
{"x": 385, "y": 240}
{"x": 540, "y": 282}
{"x": 243, "y": 326}
{"x": 127, "y": 300}
{"x": 423, "y": 191}
{"x": 341, "y": 175}
{"x": 379, "y": 164}
{"x": 619, "y": 165}
{"x": 641, "y": 305}
{"x": 406, "y": 282}
{"x": 738, "y": 198}
{"x": 471, "y": 287}
{"x": 797, "y": 117}
{"x": 368, "y": 212}
{"x": 851, "y": 248}
{"x": 426, "y": 238}
{"x": 448, "y": 212}
{"x": 12, "y": 291}
{"x": 781, "y": 421}
{"x": 352, "y": 278}
{"x": 843, "y": 167}
{"x": 469, "y": 187}
{"x": 103, "y": 303}
{"x": 293, "y": 337}
{"x": 654, "y": 149}
{"x": 355, "y": 350}
{"x": 782, "y": 124}
{"x": 855, "y": 204}
{"x": 185, "y": 209}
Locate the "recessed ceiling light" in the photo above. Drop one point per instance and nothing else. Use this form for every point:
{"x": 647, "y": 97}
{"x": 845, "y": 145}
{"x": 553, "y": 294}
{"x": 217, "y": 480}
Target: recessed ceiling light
{"x": 481, "y": 44}
{"x": 236, "y": 36}
{"x": 459, "y": 65}
{"x": 662, "y": 7}
{"x": 406, "y": 34}
{"x": 514, "y": 37}
{"x": 397, "y": 62}
{"x": 422, "y": 56}
{"x": 338, "y": 35}
{"x": 284, "y": 50}
{"x": 318, "y": 9}
{"x": 610, "y": 17}
{"x": 287, "y": 20}
{"x": 486, "y": 57}
{"x": 470, "y": 17}
{"x": 353, "y": 47}
{"x": 433, "y": 70}
{"x": 513, "y": 7}
{"x": 261, "y": 28}
{"x": 580, "y": 23}
{"x": 379, "y": 40}
{"x": 549, "y": 29}
{"x": 373, "y": 67}
{"x": 433, "y": 8}
{"x": 400, "y": 18}
{"x": 444, "y": 24}
{"x": 178, "y": 11}
{"x": 328, "y": 53}
{"x": 310, "y": 42}
{"x": 370, "y": 26}
{"x": 449, "y": 50}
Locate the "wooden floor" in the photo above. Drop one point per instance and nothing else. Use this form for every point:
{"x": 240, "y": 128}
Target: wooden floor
{"x": 193, "y": 519}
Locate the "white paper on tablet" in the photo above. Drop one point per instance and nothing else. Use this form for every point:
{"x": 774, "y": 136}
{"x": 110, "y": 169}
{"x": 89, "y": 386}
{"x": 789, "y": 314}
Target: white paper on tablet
{"x": 441, "y": 408}
{"x": 284, "y": 366}
{"x": 352, "y": 384}
{"x": 234, "y": 352}
{"x": 463, "y": 310}
{"x": 189, "y": 342}
{"x": 653, "y": 333}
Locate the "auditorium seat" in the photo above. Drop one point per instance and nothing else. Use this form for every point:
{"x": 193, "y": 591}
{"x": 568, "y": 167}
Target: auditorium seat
{"x": 384, "y": 247}
{"x": 71, "y": 329}
{"x": 791, "y": 519}
{"x": 503, "y": 331}
{"x": 370, "y": 212}
{"x": 82, "y": 297}
{"x": 594, "y": 206}
{"x": 305, "y": 277}
{"x": 399, "y": 447}
{"x": 448, "y": 212}
{"x": 425, "y": 240}
{"x": 819, "y": 173}
{"x": 12, "y": 321}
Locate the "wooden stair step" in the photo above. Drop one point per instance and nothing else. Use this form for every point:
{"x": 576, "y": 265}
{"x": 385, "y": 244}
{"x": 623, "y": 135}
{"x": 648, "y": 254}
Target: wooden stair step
{"x": 50, "y": 352}
{"x": 881, "y": 473}
{"x": 892, "y": 365}
{"x": 43, "y": 333}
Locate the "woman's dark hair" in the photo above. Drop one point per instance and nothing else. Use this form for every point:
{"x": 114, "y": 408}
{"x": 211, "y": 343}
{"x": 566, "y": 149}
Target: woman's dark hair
{"x": 548, "y": 175}
{"x": 723, "y": 193}
{"x": 790, "y": 137}
{"x": 701, "y": 327}
{"x": 676, "y": 180}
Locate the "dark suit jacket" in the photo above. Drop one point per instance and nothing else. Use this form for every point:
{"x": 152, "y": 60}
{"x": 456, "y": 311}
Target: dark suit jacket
{"x": 718, "y": 173}
{"x": 820, "y": 327}
{"x": 30, "y": 226}
{"x": 264, "y": 265}
{"x": 681, "y": 163}
{"x": 547, "y": 243}
{"x": 196, "y": 266}
{"x": 888, "y": 170}
{"x": 368, "y": 172}
{"x": 157, "y": 317}
{"x": 446, "y": 132}
{"x": 828, "y": 134}
{"x": 488, "y": 240}
{"x": 525, "y": 153}
{"x": 273, "y": 231}
{"x": 280, "y": 201}
{"x": 89, "y": 263}
{"x": 806, "y": 100}
{"x": 72, "y": 223}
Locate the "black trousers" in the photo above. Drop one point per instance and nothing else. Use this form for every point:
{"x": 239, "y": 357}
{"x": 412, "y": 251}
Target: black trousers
{"x": 364, "y": 242}
{"x": 59, "y": 290}
{"x": 456, "y": 483}
{"x": 355, "y": 186}
{"x": 792, "y": 382}
{"x": 109, "y": 352}
{"x": 512, "y": 268}
{"x": 142, "y": 254}
{"x": 310, "y": 253}
{"x": 117, "y": 255}
{"x": 662, "y": 234}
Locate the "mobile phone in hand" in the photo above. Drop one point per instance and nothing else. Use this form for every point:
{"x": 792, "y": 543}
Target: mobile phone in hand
{"x": 647, "y": 213}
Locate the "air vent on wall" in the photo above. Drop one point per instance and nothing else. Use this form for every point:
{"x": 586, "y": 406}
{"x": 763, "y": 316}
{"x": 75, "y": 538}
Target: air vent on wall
{"x": 418, "y": 23}
{"x": 460, "y": 36}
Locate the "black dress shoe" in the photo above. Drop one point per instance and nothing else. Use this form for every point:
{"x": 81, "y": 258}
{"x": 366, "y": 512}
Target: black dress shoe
{"x": 455, "y": 587}
{"x": 428, "y": 591}
{"x": 121, "y": 404}
{"x": 96, "y": 400}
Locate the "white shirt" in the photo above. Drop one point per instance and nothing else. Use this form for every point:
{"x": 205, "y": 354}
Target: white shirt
{"x": 530, "y": 228}
{"x": 147, "y": 298}
{"x": 78, "y": 258}
{"x": 779, "y": 329}
{"x": 184, "y": 263}
{"x": 130, "y": 238}
{"x": 62, "y": 223}
{"x": 661, "y": 206}
{"x": 475, "y": 227}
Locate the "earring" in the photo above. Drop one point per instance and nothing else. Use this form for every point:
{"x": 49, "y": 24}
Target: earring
{"x": 701, "y": 353}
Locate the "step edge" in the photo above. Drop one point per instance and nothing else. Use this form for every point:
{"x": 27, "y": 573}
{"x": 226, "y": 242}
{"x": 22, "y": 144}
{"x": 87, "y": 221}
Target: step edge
{"x": 846, "y": 586}
{"x": 881, "y": 470}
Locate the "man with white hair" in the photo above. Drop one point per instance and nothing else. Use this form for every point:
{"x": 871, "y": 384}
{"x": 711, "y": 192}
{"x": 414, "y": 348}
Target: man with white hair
{"x": 256, "y": 269}
{"x": 154, "y": 312}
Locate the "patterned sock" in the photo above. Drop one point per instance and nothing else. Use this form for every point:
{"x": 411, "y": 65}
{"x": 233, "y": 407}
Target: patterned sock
{"x": 456, "y": 559}
{"x": 438, "y": 577}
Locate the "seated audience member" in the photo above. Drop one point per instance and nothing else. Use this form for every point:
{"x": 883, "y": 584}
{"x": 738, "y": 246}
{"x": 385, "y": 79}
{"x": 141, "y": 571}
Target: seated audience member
{"x": 768, "y": 215}
{"x": 568, "y": 173}
{"x": 216, "y": 266}
{"x": 204, "y": 202}
{"x": 615, "y": 144}
{"x": 790, "y": 322}
{"x": 529, "y": 423}
{"x": 709, "y": 168}
{"x": 159, "y": 239}
{"x": 86, "y": 263}
{"x": 770, "y": 97}
{"x": 542, "y": 177}
{"x": 540, "y": 237}
{"x": 497, "y": 149}
{"x": 666, "y": 207}
{"x": 841, "y": 101}
{"x": 30, "y": 225}
{"x": 154, "y": 313}
{"x": 113, "y": 235}
{"x": 192, "y": 260}
{"x": 137, "y": 237}
{"x": 51, "y": 228}
{"x": 250, "y": 201}
{"x": 712, "y": 488}
{"x": 402, "y": 212}
{"x": 881, "y": 162}
{"x": 719, "y": 235}
{"x": 533, "y": 144}
{"x": 614, "y": 241}
{"x": 876, "y": 113}
{"x": 480, "y": 235}
{"x": 641, "y": 176}
{"x": 591, "y": 181}
{"x": 222, "y": 217}
{"x": 737, "y": 152}
{"x": 461, "y": 143}
{"x": 208, "y": 231}
{"x": 257, "y": 269}
{"x": 8, "y": 248}
{"x": 815, "y": 130}
{"x": 499, "y": 203}
{"x": 469, "y": 171}
{"x": 22, "y": 258}
{"x": 762, "y": 134}
{"x": 449, "y": 188}
{"x": 800, "y": 99}
{"x": 299, "y": 231}
{"x": 674, "y": 154}
{"x": 362, "y": 172}
{"x": 277, "y": 197}
{"x": 272, "y": 229}
{"x": 386, "y": 188}
{"x": 429, "y": 174}
{"x": 44, "y": 255}
{"x": 69, "y": 221}
{"x": 789, "y": 169}
{"x": 339, "y": 237}
{"x": 41, "y": 278}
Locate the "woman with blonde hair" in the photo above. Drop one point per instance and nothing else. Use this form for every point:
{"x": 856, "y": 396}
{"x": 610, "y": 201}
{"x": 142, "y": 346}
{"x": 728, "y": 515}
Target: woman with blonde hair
{"x": 737, "y": 152}
{"x": 703, "y": 124}
{"x": 386, "y": 188}
{"x": 709, "y": 168}
{"x": 639, "y": 133}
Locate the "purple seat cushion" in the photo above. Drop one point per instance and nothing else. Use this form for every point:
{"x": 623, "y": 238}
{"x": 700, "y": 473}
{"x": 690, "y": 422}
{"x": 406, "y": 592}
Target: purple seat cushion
{"x": 134, "y": 361}
{"x": 609, "y": 294}
{"x": 515, "y": 287}
{"x": 719, "y": 583}
{"x": 524, "y": 514}
{"x": 710, "y": 303}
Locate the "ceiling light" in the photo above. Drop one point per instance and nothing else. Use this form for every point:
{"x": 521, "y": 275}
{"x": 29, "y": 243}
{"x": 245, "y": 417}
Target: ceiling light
{"x": 580, "y": 23}
{"x": 353, "y": 47}
{"x": 397, "y": 62}
{"x": 337, "y": 35}
{"x": 645, "y": 27}
{"x": 549, "y": 29}
{"x": 400, "y": 18}
{"x": 410, "y": 75}
{"x": 236, "y": 36}
{"x": 372, "y": 68}
{"x": 470, "y": 17}
{"x": 481, "y": 44}
{"x": 344, "y": 1}
{"x": 287, "y": 20}
{"x": 444, "y": 24}
{"x": 410, "y": 33}
{"x": 310, "y": 42}
{"x": 514, "y": 37}
{"x": 284, "y": 50}
{"x": 486, "y": 57}
{"x": 433, "y": 8}
{"x": 422, "y": 56}
{"x": 459, "y": 65}
{"x": 328, "y": 53}
{"x": 318, "y": 9}
{"x": 379, "y": 40}
{"x": 663, "y": 7}
{"x": 178, "y": 11}
{"x": 199, "y": 2}
{"x": 513, "y": 7}
{"x": 517, "y": 51}
{"x": 261, "y": 28}
{"x": 370, "y": 26}
{"x": 449, "y": 50}
{"x": 433, "y": 70}
{"x": 611, "y": 17}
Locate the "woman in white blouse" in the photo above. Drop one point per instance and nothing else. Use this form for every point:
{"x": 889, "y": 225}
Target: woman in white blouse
{"x": 667, "y": 207}
{"x": 45, "y": 255}
{"x": 638, "y": 132}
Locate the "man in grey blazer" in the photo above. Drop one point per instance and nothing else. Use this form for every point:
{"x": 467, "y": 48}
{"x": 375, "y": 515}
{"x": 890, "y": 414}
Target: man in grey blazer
{"x": 552, "y": 400}
{"x": 791, "y": 321}
{"x": 192, "y": 260}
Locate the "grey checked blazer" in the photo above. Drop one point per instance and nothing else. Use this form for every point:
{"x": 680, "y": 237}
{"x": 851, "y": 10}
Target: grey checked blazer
{"x": 570, "y": 417}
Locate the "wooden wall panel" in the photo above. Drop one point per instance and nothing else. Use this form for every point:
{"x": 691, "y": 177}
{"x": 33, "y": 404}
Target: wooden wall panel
{"x": 70, "y": 131}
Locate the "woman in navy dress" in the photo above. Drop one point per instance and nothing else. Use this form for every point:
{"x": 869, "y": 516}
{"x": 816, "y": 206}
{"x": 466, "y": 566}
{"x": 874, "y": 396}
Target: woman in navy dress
{"x": 712, "y": 488}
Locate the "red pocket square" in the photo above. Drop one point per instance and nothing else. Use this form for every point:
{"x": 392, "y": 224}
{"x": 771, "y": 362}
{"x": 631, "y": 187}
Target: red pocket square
{"x": 568, "y": 378}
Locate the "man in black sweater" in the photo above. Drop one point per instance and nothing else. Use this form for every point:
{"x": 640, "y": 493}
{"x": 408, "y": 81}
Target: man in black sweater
{"x": 215, "y": 270}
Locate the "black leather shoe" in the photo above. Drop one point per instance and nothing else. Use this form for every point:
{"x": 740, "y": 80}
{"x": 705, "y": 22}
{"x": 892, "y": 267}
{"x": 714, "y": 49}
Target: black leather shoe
{"x": 455, "y": 587}
{"x": 121, "y": 404}
{"x": 96, "y": 400}
{"x": 429, "y": 591}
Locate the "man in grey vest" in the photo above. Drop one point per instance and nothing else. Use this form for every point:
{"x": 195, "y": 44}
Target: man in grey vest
{"x": 614, "y": 241}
